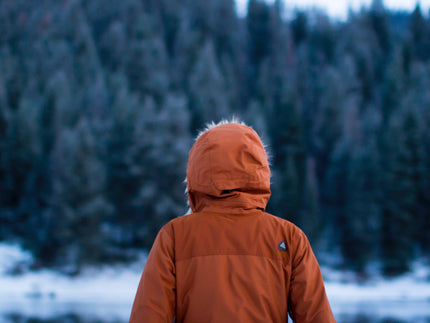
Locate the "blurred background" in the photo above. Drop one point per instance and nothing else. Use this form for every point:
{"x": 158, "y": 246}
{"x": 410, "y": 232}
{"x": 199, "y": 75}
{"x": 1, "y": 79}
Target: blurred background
{"x": 100, "y": 102}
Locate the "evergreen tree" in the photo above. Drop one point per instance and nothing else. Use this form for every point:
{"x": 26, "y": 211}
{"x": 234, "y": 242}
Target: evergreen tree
{"x": 290, "y": 191}
{"x": 258, "y": 25}
{"x": 394, "y": 86}
{"x": 29, "y": 185}
{"x": 334, "y": 192}
{"x": 362, "y": 41}
{"x": 310, "y": 220}
{"x": 170, "y": 11}
{"x": 328, "y": 120}
{"x": 420, "y": 99}
{"x": 161, "y": 146}
{"x": 276, "y": 76}
{"x": 401, "y": 192}
{"x": 87, "y": 63}
{"x": 187, "y": 48}
{"x": 78, "y": 207}
{"x": 147, "y": 61}
{"x": 208, "y": 98}
{"x": 224, "y": 22}
{"x": 379, "y": 23}
{"x": 128, "y": 112}
{"x": 289, "y": 155}
{"x": 423, "y": 226}
{"x": 299, "y": 27}
{"x": 59, "y": 93}
{"x": 256, "y": 116}
{"x": 6, "y": 213}
{"x": 420, "y": 34}
{"x": 112, "y": 46}
{"x": 362, "y": 213}
{"x": 321, "y": 45}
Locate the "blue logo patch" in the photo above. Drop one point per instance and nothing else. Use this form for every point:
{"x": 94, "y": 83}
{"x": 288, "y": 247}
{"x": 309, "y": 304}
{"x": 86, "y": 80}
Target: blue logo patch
{"x": 282, "y": 246}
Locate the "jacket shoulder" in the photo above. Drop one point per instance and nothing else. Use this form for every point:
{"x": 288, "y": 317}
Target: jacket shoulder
{"x": 180, "y": 221}
{"x": 294, "y": 236}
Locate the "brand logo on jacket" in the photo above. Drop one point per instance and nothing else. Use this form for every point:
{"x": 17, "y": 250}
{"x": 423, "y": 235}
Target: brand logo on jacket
{"x": 282, "y": 246}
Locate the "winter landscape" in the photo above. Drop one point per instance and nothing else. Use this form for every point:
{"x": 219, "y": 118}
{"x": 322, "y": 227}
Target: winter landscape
{"x": 100, "y": 105}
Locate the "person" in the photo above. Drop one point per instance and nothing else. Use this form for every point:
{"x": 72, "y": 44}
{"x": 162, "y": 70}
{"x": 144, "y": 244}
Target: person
{"x": 229, "y": 260}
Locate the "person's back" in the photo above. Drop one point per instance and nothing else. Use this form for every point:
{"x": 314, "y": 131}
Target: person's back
{"x": 229, "y": 261}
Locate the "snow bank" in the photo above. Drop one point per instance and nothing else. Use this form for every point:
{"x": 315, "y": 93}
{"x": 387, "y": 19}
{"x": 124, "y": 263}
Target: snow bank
{"x": 105, "y": 292}
{"x": 412, "y": 287}
{"x": 405, "y": 298}
{"x": 12, "y": 256}
{"x": 105, "y": 284}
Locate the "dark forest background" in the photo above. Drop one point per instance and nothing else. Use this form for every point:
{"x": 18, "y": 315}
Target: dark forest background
{"x": 100, "y": 100}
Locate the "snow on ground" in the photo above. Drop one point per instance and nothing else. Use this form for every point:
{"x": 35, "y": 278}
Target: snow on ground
{"x": 405, "y": 298}
{"x": 109, "y": 291}
{"x": 105, "y": 284}
{"x": 413, "y": 287}
{"x": 106, "y": 292}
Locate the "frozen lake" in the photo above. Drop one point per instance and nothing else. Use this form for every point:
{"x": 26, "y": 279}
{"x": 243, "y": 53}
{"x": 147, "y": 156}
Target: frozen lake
{"x": 50, "y": 311}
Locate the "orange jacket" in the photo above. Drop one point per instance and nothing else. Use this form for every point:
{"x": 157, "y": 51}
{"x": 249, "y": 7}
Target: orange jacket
{"x": 229, "y": 261}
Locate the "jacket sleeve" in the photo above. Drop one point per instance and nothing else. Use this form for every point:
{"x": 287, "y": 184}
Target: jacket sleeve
{"x": 156, "y": 294}
{"x": 307, "y": 296}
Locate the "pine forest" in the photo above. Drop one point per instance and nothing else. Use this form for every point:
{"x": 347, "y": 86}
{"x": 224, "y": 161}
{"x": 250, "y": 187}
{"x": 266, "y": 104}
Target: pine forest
{"x": 100, "y": 101}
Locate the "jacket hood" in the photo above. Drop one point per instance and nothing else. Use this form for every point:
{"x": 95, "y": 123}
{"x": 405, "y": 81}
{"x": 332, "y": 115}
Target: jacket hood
{"x": 228, "y": 168}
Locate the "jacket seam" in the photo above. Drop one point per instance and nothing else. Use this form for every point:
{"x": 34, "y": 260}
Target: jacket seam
{"x": 231, "y": 254}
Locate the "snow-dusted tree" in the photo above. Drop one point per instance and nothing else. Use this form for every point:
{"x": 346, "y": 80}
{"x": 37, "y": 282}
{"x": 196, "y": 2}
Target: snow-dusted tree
{"x": 208, "y": 93}
{"x": 328, "y": 121}
{"x": 362, "y": 212}
{"x": 159, "y": 158}
{"x": 147, "y": 66}
{"x": 78, "y": 206}
{"x": 402, "y": 190}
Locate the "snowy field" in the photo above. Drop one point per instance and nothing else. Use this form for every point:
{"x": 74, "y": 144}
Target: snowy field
{"x": 106, "y": 294}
